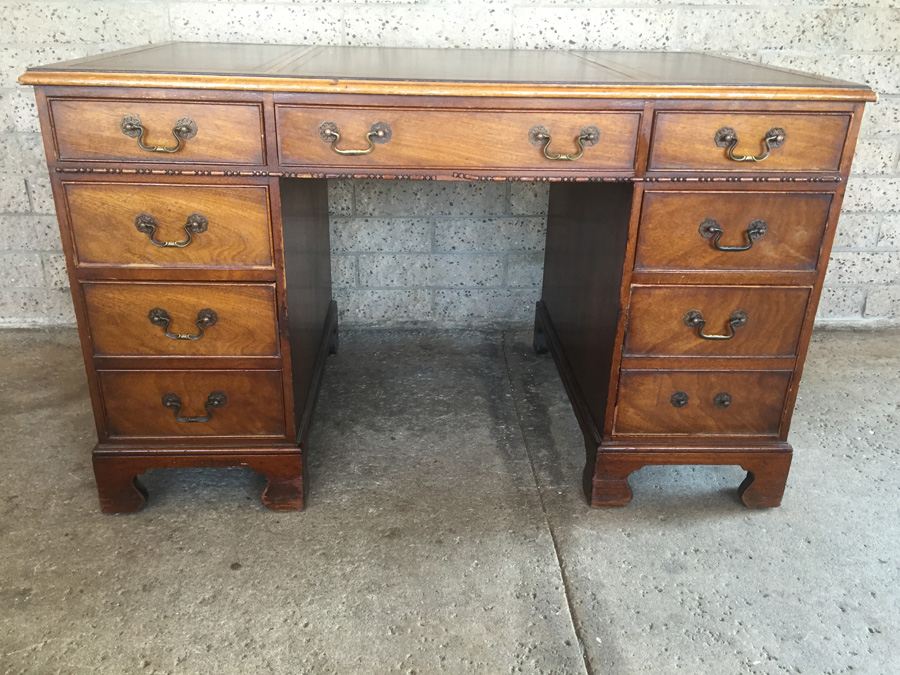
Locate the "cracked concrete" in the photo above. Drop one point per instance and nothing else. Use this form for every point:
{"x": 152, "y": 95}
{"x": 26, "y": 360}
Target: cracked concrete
{"x": 446, "y": 532}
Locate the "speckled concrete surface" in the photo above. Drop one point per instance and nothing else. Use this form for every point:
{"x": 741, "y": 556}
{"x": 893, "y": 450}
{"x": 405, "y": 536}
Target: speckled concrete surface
{"x": 446, "y": 532}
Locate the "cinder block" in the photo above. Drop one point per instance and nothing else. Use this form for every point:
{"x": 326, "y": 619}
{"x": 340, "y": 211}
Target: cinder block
{"x": 54, "y": 265}
{"x": 842, "y": 302}
{"x": 873, "y": 193}
{"x": 734, "y": 29}
{"x": 340, "y": 197}
{"x": 528, "y": 198}
{"x": 408, "y": 270}
{"x": 21, "y": 270}
{"x": 857, "y": 230}
{"x": 407, "y": 198}
{"x": 85, "y": 22}
{"x": 478, "y": 24}
{"x": 484, "y": 307}
{"x": 383, "y": 307}
{"x": 18, "y": 111}
{"x": 525, "y": 270}
{"x": 593, "y": 28}
{"x": 28, "y": 232}
{"x": 22, "y": 153}
{"x": 41, "y": 194}
{"x": 381, "y": 235}
{"x": 863, "y": 267}
{"x": 13, "y": 194}
{"x": 490, "y": 234}
{"x": 883, "y": 302}
{"x": 318, "y": 23}
{"x": 882, "y": 117}
{"x": 889, "y": 236}
{"x": 343, "y": 271}
{"x": 876, "y": 155}
{"x": 35, "y": 306}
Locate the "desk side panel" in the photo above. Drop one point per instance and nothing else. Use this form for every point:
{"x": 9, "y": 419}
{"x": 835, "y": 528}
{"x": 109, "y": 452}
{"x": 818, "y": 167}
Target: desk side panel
{"x": 307, "y": 253}
{"x": 587, "y": 230}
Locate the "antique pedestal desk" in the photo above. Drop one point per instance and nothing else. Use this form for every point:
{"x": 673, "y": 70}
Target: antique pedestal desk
{"x": 693, "y": 204}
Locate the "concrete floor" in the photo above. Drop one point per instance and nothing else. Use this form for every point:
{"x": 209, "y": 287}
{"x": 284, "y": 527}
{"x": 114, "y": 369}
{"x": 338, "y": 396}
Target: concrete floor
{"x": 446, "y": 532}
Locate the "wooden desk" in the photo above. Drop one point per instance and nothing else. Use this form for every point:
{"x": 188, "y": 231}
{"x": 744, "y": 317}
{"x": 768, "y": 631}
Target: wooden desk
{"x": 693, "y": 205}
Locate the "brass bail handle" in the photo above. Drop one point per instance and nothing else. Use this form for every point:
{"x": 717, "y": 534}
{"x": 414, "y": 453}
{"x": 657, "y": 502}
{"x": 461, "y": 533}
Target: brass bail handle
{"x": 710, "y": 229}
{"x": 727, "y": 138}
{"x": 216, "y": 399}
{"x": 147, "y": 224}
{"x": 694, "y": 319}
{"x": 380, "y": 132}
{"x": 205, "y": 318}
{"x": 184, "y": 129}
{"x": 540, "y": 135}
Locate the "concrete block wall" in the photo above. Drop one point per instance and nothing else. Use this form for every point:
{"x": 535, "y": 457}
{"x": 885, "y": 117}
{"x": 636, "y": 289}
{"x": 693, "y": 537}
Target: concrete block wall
{"x": 446, "y": 254}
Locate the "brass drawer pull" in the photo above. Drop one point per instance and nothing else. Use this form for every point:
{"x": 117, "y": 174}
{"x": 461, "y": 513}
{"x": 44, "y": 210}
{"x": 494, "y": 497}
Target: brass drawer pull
{"x": 679, "y": 399}
{"x": 540, "y": 135}
{"x": 205, "y": 319}
{"x": 184, "y": 129}
{"x": 710, "y": 229}
{"x": 195, "y": 224}
{"x": 216, "y": 399}
{"x": 379, "y": 133}
{"x": 726, "y": 137}
{"x": 722, "y": 399}
{"x": 694, "y": 319}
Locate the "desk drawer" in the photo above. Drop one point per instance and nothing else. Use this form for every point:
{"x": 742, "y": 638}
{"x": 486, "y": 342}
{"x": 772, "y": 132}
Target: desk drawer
{"x": 685, "y": 141}
{"x": 736, "y": 320}
{"x": 779, "y": 230}
{"x": 454, "y": 139}
{"x": 173, "y": 131}
{"x": 148, "y": 319}
{"x": 125, "y": 223}
{"x": 183, "y": 403}
{"x": 701, "y": 402}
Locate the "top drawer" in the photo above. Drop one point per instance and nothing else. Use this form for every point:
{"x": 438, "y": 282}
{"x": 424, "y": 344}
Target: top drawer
{"x": 156, "y": 131}
{"x": 456, "y": 139}
{"x": 719, "y": 141}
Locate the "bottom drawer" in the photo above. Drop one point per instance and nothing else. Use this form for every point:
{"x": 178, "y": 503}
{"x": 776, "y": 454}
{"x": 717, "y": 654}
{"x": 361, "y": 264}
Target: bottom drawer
{"x": 191, "y": 403}
{"x": 732, "y": 403}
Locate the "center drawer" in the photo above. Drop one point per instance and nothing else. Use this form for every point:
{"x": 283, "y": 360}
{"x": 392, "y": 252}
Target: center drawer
{"x": 183, "y": 403}
{"x": 414, "y": 138}
{"x": 715, "y": 320}
{"x": 186, "y": 319}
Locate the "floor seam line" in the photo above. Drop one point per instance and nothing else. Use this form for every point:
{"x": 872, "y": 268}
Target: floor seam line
{"x": 566, "y": 586}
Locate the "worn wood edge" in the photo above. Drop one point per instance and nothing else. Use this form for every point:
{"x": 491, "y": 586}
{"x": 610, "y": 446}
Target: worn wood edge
{"x": 437, "y": 88}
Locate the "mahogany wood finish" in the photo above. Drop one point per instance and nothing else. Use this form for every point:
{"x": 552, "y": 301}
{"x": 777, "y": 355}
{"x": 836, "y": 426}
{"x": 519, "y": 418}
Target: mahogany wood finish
{"x": 671, "y": 235}
{"x": 699, "y": 403}
{"x": 461, "y": 139}
{"x": 773, "y": 316}
{"x": 190, "y": 179}
{"x": 686, "y": 141}
{"x": 102, "y": 221}
{"x": 135, "y": 405}
{"x": 91, "y": 130}
{"x": 119, "y": 319}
